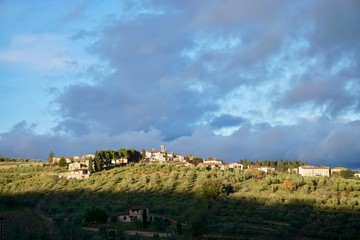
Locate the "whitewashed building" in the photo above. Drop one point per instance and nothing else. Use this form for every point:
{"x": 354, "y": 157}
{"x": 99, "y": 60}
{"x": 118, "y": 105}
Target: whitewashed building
{"x": 155, "y": 155}
{"x": 236, "y": 165}
{"x": 314, "y": 171}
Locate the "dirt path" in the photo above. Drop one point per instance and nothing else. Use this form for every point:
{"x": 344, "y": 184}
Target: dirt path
{"x": 49, "y": 221}
{"x": 40, "y": 212}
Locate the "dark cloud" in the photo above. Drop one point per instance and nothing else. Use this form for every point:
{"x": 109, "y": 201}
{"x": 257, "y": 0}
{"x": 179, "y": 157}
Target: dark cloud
{"x": 335, "y": 28}
{"x": 23, "y": 142}
{"x": 226, "y": 120}
{"x": 331, "y": 79}
{"x": 331, "y": 94}
{"x": 115, "y": 107}
{"x": 151, "y": 84}
{"x": 73, "y": 127}
{"x": 319, "y": 141}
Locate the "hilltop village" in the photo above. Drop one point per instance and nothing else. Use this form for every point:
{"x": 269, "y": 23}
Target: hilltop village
{"x": 81, "y": 167}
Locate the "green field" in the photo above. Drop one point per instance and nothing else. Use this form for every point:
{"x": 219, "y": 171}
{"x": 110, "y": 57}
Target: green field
{"x": 276, "y": 206}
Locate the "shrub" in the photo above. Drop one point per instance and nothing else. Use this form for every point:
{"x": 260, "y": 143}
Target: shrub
{"x": 288, "y": 185}
{"x": 62, "y": 162}
{"x": 346, "y": 174}
{"x": 211, "y": 188}
{"x": 227, "y": 189}
{"x": 96, "y": 215}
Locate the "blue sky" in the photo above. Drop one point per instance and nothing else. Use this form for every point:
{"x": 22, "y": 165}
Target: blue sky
{"x": 229, "y": 79}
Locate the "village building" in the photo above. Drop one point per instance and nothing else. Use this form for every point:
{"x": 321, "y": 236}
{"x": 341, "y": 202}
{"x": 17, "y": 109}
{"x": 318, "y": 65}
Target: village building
{"x": 265, "y": 169}
{"x": 136, "y": 213}
{"x": 155, "y": 155}
{"x": 293, "y": 170}
{"x": 121, "y": 161}
{"x": 212, "y": 164}
{"x": 214, "y": 161}
{"x": 78, "y": 174}
{"x": 235, "y": 166}
{"x": 357, "y": 174}
{"x": 76, "y": 170}
{"x": 314, "y": 171}
{"x": 83, "y": 159}
{"x": 337, "y": 170}
{"x": 77, "y": 165}
{"x": 162, "y": 155}
{"x": 170, "y": 156}
{"x": 179, "y": 158}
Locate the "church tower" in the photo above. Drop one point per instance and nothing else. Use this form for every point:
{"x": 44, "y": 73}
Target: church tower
{"x": 163, "y": 148}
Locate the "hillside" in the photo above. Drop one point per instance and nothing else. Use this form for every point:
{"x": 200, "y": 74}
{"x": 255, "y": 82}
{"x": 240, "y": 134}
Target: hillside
{"x": 252, "y": 205}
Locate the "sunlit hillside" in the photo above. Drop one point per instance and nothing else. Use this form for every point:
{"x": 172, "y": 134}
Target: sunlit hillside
{"x": 206, "y": 203}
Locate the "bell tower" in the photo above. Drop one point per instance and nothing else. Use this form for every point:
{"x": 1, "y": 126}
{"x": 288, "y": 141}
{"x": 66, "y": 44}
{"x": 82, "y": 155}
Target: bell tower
{"x": 163, "y": 148}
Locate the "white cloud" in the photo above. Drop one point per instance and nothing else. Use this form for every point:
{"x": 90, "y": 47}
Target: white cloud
{"x": 45, "y": 52}
{"x": 40, "y": 51}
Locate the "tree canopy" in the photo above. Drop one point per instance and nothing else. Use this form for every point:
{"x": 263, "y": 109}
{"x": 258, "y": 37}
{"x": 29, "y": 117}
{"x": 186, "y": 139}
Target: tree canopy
{"x": 62, "y": 162}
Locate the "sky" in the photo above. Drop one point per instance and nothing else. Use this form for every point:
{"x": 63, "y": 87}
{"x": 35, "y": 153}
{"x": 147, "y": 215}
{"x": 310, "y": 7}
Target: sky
{"x": 218, "y": 78}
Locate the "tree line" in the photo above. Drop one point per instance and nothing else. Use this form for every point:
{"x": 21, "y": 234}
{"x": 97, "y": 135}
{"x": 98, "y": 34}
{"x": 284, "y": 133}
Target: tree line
{"x": 103, "y": 158}
{"x": 280, "y": 165}
{"x": 10, "y": 159}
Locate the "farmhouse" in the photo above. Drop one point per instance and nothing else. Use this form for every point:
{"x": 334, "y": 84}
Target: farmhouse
{"x": 211, "y": 164}
{"x": 76, "y": 170}
{"x": 265, "y": 169}
{"x": 235, "y": 165}
{"x": 178, "y": 158}
{"x": 338, "y": 170}
{"x": 314, "y": 171}
{"x": 77, "y": 165}
{"x": 155, "y": 155}
{"x": 121, "y": 161}
{"x": 79, "y": 174}
{"x": 136, "y": 213}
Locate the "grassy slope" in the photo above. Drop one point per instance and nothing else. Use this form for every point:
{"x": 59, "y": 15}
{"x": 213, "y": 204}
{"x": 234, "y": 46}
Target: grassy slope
{"x": 307, "y": 207}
